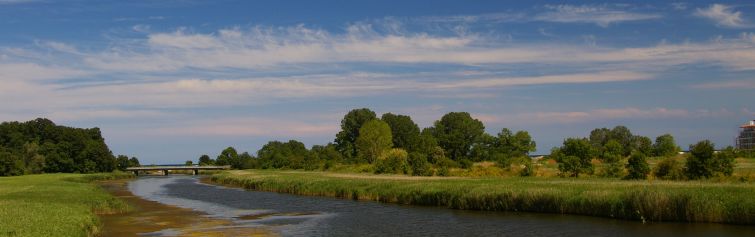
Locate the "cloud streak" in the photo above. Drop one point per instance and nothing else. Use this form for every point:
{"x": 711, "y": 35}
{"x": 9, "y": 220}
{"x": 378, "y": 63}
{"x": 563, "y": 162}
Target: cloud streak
{"x": 723, "y": 15}
{"x": 599, "y": 15}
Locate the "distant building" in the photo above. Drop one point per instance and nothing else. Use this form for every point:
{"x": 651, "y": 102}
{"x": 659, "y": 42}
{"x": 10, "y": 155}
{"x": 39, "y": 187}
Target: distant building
{"x": 746, "y": 138}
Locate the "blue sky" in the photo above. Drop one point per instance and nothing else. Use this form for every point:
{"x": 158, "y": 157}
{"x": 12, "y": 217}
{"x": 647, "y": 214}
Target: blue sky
{"x": 167, "y": 81}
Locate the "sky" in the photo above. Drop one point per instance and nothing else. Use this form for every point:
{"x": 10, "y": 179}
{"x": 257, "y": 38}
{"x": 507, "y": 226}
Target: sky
{"x": 168, "y": 81}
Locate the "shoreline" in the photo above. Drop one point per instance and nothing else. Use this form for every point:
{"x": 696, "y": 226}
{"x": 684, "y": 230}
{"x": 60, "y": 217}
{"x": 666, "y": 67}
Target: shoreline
{"x": 154, "y": 217}
{"x": 666, "y": 201}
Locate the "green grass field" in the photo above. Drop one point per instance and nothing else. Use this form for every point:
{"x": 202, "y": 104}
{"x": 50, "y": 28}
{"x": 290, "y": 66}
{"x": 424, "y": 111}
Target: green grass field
{"x": 654, "y": 200}
{"x": 55, "y": 204}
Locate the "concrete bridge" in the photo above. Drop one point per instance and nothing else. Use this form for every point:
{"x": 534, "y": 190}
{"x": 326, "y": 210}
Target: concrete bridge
{"x": 166, "y": 169}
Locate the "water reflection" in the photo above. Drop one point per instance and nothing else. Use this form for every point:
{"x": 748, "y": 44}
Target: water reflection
{"x": 291, "y": 215}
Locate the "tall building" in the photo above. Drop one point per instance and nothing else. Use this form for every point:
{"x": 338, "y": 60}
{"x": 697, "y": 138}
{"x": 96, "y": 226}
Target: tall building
{"x": 746, "y": 138}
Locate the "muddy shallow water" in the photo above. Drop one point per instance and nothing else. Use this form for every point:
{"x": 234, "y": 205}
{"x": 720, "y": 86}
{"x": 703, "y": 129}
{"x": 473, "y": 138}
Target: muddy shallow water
{"x": 185, "y": 206}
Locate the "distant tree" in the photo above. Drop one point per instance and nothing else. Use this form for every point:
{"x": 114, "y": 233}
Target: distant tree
{"x": 574, "y": 156}
{"x": 133, "y": 162}
{"x": 612, "y": 157}
{"x": 189, "y": 163}
{"x": 34, "y": 162}
{"x": 704, "y": 163}
{"x": 637, "y": 166}
{"x": 374, "y": 138}
{"x": 246, "y": 161}
{"x": 327, "y": 153}
{"x": 404, "y": 131}
{"x": 600, "y": 136}
{"x": 10, "y": 164}
{"x": 665, "y": 146}
{"x": 641, "y": 144}
{"x": 277, "y": 155}
{"x": 456, "y": 132}
{"x": 227, "y": 157}
{"x": 350, "y": 125}
{"x": 206, "y": 160}
{"x": 122, "y": 162}
{"x": 426, "y": 144}
{"x": 419, "y": 165}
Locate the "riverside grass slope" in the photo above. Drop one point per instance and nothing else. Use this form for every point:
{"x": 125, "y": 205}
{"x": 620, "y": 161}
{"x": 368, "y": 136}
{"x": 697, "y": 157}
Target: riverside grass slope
{"x": 684, "y": 201}
{"x": 55, "y": 204}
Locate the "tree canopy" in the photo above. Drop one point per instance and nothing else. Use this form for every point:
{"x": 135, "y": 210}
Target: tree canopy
{"x": 456, "y": 132}
{"x": 350, "y": 124}
{"x": 404, "y": 131}
{"x": 374, "y": 138}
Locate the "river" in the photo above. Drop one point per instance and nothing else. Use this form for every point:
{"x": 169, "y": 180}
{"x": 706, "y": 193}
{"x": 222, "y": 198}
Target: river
{"x": 291, "y": 215}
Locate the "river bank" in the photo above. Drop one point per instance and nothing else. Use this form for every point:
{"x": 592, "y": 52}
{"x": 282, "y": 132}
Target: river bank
{"x": 157, "y": 219}
{"x": 56, "y": 204}
{"x": 657, "y": 201}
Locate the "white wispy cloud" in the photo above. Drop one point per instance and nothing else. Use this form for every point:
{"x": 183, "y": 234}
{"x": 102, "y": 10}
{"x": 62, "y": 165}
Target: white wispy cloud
{"x": 723, "y": 15}
{"x": 9, "y": 2}
{"x": 594, "y": 14}
{"x": 734, "y": 84}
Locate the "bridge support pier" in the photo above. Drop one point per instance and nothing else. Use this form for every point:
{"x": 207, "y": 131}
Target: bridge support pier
{"x": 136, "y": 173}
{"x": 165, "y": 172}
{"x": 196, "y": 171}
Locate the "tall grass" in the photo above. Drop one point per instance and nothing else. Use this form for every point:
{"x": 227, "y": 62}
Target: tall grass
{"x": 55, "y": 204}
{"x": 689, "y": 201}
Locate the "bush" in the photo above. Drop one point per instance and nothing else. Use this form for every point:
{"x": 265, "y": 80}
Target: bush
{"x": 637, "y": 166}
{"x": 419, "y": 165}
{"x": 703, "y": 162}
{"x": 669, "y": 168}
{"x": 393, "y": 161}
{"x": 465, "y": 163}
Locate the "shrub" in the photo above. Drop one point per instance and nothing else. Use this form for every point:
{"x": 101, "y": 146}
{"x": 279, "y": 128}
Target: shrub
{"x": 419, "y": 165}
{"x": 393, "y": 161}
{"x": 669, "y": 168}
{"x": 704, "y": 163}
{"x": 637, "y": 166}
{"x": 465, "y": 163}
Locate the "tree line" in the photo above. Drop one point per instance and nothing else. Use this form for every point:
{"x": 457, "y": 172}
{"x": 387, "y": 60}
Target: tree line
{"x": 40, "y": 146}
{"x": 391, "y": 143}
{"x": 618, "y": 149}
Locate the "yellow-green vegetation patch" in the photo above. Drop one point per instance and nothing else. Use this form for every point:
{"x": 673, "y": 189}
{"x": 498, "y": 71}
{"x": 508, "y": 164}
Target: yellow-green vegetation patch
{"x": 687, "y": 201}
{"x": 55, "y": 204}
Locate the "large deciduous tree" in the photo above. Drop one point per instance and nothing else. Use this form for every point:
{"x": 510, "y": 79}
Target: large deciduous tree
{"x": 374, "y": 138}
{"x": 703, "y": 162}
{"x": 404, "y": 131}
{"x": 574, "y": 156}
{"x": 665, "y": 146}
{"x": 456, "y": 132}
{"x": 350, "y": 124}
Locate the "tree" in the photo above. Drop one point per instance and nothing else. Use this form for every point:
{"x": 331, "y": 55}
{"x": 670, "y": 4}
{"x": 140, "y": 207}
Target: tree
{"x": 350, "y": 125}
{"x": 228, "y": 156}
{"x": 704, "y": 163}
{"x": 10, "y": 164}
{"x": 637, "y": 166}
{"x": 189, "y": 163}
{"x": 275, "y": 154}
{"x": 641, "y": 144}
{"x": 404, "y": 131}
{"x": 612, "y": 154}
{"x": 665, "y": 146}
{"x": 419, "y": 165}
{"x": 374, "y": 138}
{"x": 574, "y": 156}
{"x": 133, "y": 162}
{"x": 206, "y": 160}
{"x": 246, "y": 161}
{"x": 456, "y": 132}
{"x": 122, "y": 162}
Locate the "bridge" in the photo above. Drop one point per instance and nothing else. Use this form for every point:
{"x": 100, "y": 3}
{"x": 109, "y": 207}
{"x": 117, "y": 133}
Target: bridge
{"x": 166, "y": 169}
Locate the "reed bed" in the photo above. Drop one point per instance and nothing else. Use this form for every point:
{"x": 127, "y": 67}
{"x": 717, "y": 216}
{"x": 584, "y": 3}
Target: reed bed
{"x": 683, "y": 201}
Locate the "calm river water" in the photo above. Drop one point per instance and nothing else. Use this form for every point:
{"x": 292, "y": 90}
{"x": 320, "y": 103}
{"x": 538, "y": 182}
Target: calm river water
{"x": 291, "y": 215}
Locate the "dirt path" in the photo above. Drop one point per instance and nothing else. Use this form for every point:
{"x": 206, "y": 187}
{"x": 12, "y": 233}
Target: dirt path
{"x": 159, "y": 219}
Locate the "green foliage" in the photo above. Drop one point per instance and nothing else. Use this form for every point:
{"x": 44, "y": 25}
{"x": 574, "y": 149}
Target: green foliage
{"x": 189, "y": 163}
{"x": 637, "y": 166}
{"x": 228, "y": 156}
{"x": 277, "y": 155}
{"x": 122, "y": 162}
{"x": 529, "y": 167}
{"x": 374, "y": 138}
{"x": 574, "y": 157}
{"x": 612, "y": 158}
{"x": 665, "y": 146}
{"x": 350, "y": 125}
{"x": 419, "y": 165}
{"x": 670, "y": 168}
{"x": 456, "y": 132}
{"x": 393, "y": 161}
{"x": 704, "y": 163}
{"x": 642, "y": 144}
{"x": 205, "y": 160}
{"x": 43, "y": 146}
{"x": 406, "y": 133}
{"x": 621, "y": 134}
{"x": 465, "y": 163}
